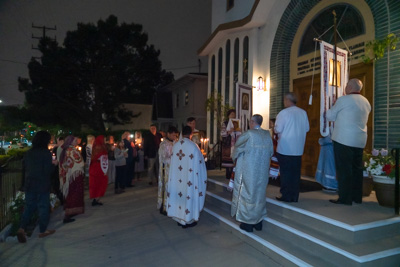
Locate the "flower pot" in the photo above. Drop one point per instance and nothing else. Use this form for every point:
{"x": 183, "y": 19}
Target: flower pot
{"x": 384, "y": 189}
{"x": 368, "y": 184}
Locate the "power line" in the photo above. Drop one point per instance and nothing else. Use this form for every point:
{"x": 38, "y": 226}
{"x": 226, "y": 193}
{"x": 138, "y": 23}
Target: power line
{"x": 44, "y": 29}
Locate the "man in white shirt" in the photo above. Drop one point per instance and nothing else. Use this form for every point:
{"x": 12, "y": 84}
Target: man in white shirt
{"x": 291, "y": 126}
{"x": 350, "y": 114}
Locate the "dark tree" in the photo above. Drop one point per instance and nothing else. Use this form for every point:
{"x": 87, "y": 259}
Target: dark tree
{"x": 11, "y": 118}
{"x": 86, "y": 81}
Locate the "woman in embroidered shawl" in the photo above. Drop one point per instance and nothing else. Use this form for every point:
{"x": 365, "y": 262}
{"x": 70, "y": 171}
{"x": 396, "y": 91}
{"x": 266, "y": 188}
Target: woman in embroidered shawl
{"x": 72, "y": 179}
{"x": 98, "y": 179}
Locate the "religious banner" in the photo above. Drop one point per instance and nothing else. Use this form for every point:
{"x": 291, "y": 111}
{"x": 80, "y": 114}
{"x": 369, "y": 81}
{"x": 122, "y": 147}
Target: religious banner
{"x": 329, "y": 94}
{"x": 244, "y": 105}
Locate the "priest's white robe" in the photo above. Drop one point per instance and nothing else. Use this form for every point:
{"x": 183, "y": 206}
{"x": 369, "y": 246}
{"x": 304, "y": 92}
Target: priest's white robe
{"x": 187, "y": 184}
{"x": 164, "y": 155}
{"x": 253, "y": 151}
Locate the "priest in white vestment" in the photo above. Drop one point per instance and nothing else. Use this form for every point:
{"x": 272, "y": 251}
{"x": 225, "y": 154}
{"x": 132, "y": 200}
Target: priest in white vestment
{"x": 187, "y": 184}
{"x": 164, "y": 154}
{"x": 252, "y": 152}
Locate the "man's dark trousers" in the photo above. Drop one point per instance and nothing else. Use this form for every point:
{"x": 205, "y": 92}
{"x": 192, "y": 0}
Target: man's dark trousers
{"x": 290, "y": 172}
{"x": 349, "y": 172}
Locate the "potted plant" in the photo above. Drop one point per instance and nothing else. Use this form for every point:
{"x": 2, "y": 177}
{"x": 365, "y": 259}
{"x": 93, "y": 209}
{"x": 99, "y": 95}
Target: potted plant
{"x": 381, "y": 167}
{"x": 368, "y": 183}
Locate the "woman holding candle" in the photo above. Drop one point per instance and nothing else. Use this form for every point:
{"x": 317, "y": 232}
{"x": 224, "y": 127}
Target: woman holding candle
{"x": 120, "y": 154}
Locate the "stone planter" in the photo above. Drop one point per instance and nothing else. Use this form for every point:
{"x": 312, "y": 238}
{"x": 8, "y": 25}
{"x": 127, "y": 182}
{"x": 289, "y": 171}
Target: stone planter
{"x": 368, "y": 185}
{"x": 384, "y": 189}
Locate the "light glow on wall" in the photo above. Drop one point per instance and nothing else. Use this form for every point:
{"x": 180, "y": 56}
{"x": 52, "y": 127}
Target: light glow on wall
{"x": 261, "y": 101}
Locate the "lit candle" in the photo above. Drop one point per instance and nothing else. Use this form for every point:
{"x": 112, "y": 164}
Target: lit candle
{"x": 54, "y": 156}
{"x": 201, "y": 144}
{"x": 162, "y": 139}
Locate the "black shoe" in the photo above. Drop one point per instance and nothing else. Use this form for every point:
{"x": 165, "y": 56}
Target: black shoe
{"x": 69, "y": 220}
{"x": 96, "y": 203}
{"x": 130, "y": 185}
{"x": 246, "y": 227}
{"x": 193, "y": 224}
{"x": 183, "y": 226}
{"x": 281, "y": 199}
{"x": 337, "y": 201}
{"x": 258, "y": 226}
{"x": 162, "y": 211}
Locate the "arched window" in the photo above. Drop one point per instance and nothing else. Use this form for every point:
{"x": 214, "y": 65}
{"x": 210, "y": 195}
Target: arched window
{"x": 219, "y": 71}
{"x": 235, "y": 69}
{"x": 349, "y": 25}
{"x": 246, "y": 60}
{"x": 212, "y": 94}
{"x": 227, "y": 70}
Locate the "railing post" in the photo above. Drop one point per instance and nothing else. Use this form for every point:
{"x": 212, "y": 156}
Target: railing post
{"x": 395, "y": 153}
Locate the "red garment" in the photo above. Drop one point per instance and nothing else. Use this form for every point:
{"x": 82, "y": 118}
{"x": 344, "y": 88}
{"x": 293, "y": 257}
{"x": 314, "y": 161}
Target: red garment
{"x": 98, "y": 180}
{"x": 73, "y": 203}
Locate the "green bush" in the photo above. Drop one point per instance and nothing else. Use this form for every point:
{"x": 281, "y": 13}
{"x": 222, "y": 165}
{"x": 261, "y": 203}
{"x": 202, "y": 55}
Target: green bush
{"x": 3, "y": 159}
{"x": 17, "y": 152}
{"x": 2, "y": 151}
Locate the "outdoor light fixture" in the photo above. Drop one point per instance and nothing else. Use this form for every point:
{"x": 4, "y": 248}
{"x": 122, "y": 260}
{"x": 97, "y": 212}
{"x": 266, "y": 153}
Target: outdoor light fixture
{"x": 260, "y": 84}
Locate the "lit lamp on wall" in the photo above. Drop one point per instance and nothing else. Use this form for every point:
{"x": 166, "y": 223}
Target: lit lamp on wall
{"x": 260, "y": 84}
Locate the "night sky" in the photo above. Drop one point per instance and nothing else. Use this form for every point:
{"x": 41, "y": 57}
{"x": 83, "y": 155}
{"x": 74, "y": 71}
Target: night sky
{"x": 176, "y": 27}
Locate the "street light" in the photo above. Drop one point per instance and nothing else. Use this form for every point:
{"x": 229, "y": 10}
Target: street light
{"x": 1, "y": 101}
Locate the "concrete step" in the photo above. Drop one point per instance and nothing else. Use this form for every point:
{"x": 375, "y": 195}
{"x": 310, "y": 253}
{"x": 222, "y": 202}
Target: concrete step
{"x": 322, "y": 225}
{"x": 296, "y": 227}
{"x": 266, "y": 246}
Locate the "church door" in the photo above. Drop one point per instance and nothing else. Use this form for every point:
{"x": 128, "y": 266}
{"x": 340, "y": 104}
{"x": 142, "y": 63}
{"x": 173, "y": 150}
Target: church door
{"x": 302, "y": 86}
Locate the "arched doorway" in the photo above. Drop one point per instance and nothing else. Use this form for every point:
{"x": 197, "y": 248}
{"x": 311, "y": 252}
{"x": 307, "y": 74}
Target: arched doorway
{"x": 302, "y": 88}
{"x": 293, "y": 60}
{"x": 351, "y": 28}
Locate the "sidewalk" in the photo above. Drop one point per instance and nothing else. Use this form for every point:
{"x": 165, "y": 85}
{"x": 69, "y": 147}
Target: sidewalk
{"x": 129, "y": 231}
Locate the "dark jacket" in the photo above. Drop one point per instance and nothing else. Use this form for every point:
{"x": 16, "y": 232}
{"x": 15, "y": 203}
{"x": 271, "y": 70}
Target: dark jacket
{"x": 38, "y": 169}
{"x": 127, "y": 145}
{"x": 151, "y": 145}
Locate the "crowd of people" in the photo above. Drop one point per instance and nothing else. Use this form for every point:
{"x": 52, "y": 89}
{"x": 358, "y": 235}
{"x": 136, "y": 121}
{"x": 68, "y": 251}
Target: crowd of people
{"x": 179, "y": 164}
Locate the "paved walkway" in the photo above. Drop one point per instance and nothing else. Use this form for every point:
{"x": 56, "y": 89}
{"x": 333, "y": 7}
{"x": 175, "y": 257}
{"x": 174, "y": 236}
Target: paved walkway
{"x": 129, "y": 231}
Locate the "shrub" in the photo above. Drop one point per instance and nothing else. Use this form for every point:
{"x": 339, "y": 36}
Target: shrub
{"x": 17, "y": 152}
{"x": 3, "y": 159}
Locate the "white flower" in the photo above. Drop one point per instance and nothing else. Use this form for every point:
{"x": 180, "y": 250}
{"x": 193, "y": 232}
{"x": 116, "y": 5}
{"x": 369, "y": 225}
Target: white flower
{"x": 375, "y": 152}
{"x": 384, "y": 152}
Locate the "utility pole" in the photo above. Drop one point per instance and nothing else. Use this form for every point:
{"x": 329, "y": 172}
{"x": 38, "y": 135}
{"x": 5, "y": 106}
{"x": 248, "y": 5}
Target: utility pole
{"x": 44, "y": 29}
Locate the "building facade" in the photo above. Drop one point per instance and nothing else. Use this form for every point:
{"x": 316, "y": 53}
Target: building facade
{"x": 181, "y": 99}
{"x": 274, "y": 40}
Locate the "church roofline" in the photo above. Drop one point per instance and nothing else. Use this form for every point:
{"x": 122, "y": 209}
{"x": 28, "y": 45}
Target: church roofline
{"x": 204, "y": 49}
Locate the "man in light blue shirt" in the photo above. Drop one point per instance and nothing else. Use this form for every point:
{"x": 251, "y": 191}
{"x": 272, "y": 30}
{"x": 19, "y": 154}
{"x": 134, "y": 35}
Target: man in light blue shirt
{"x": 291, "y": 126}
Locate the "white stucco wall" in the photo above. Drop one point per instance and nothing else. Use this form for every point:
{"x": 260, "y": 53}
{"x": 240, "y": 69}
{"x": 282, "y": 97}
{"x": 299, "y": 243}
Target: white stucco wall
{"x": 220, "y": 15}
{"x": 260, "y": 45}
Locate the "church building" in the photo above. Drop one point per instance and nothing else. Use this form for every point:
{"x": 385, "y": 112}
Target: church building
{"x": 268, "y": 46}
